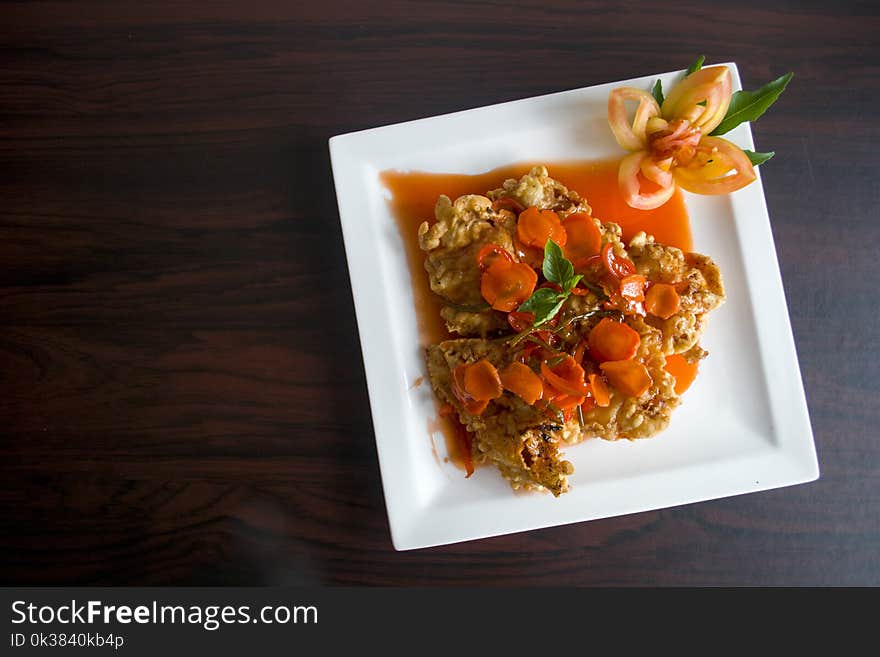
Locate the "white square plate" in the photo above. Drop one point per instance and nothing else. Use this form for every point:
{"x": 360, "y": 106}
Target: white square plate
{"x": 743, "y": 426}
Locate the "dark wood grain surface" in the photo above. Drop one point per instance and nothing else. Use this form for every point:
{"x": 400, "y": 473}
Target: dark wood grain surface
{"x": 182, "y": 397}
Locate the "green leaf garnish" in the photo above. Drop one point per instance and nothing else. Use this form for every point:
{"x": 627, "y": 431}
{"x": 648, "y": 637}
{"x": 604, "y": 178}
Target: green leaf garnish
{"x": 696, "y": 66}
{"x": 546, "y": 302}
{"x": 557, "y": 269}
{"x": 758, "y": 158}
{"x": 657, "y": 92}
{"x": 750, "y": 105}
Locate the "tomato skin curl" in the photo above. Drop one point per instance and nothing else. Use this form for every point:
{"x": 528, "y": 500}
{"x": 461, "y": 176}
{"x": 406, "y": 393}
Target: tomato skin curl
{"x": 489, "y": 254}
{"x": 617, "y": 266}
{"x": 520, "y": 321}
{"x": 630, "y": 182}
{"x": 712, "y": 85}
{"x": 670, "y": 145}
{"x": 631, "y": 136}
{"x": 714, "y": 177}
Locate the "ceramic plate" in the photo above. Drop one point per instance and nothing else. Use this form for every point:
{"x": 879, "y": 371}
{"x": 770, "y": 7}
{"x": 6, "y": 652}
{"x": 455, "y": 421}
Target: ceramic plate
{"x": 742, "y": 427}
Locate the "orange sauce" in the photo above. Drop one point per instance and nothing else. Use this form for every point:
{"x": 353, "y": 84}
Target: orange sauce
{"x": 597, "y": 182}
{"x": 456, "y": 437}
{"x": 414, "y": 194}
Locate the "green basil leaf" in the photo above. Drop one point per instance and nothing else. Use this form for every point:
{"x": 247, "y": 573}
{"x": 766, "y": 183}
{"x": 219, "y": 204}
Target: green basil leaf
{"x": 571, "y": 282}
{"x": 696, "y": 66}
{"x": 552, "y": 312}
{"x": 750, "y": 105}
{"x": 657, "y": 92}
{"x": 758, "y": 158}
{"x": 556, "y": 268}
{"x": 544, "y": 304}
{"x": 541, "y": 300}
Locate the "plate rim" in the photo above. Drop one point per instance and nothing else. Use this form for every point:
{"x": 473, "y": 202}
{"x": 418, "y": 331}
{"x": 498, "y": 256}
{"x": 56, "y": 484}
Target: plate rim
{"x": 794, "y": 461}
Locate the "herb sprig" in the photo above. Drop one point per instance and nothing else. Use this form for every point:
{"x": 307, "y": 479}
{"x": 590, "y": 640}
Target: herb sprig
{"x": 696, "y": 66}
{"x": 750, "y": 105}
{"x": 657, "y": 92}
{"x": 546, "y": 302}
{"x": 758, "y": 158}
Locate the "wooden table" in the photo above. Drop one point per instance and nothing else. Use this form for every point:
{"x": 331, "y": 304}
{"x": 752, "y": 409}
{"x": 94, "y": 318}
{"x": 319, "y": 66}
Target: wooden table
{"x": 182, "y": 396}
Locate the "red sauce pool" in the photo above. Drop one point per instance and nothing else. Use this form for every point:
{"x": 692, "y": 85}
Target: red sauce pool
{"x": 414, "y": 194}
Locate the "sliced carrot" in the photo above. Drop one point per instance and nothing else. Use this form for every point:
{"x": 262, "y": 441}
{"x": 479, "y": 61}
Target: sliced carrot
{"x": 474, "y": 385}
{"x": 470, "y": 405}
{"x": 610, "y": 340}
{"x": 601, "y": 394}
{"x": 662, "y": 300}
{"x": 567, "y": 377}
{"x": 535, "y": 227}
{"x": 617, "y": 266}
{"x": 629, "y": 376}
{"x": 568, "y": 402}
{"x": 481, "y": 381}
{"x": 554, "y": 395}
{"x": 550, "y": 393}
{"x": 632, "y": 288}
{"x": 522, "y": 381}
{"x": 506, "y": 285}
{"x": 589, "y": 404}
{"x": 583, "y": 238}
{"x": 489, "y": 254}
{"x": 683, "y": 371}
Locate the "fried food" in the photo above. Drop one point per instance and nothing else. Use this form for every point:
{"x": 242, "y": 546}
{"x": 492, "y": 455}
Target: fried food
{"x": 584, "y": 393}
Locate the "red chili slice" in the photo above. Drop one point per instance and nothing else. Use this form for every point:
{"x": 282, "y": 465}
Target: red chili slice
{"x": 489, "y": 254}
{"x": 508, "y": 203}
{"x": 616, "y": 265}
{"x": 519, "y": 322}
